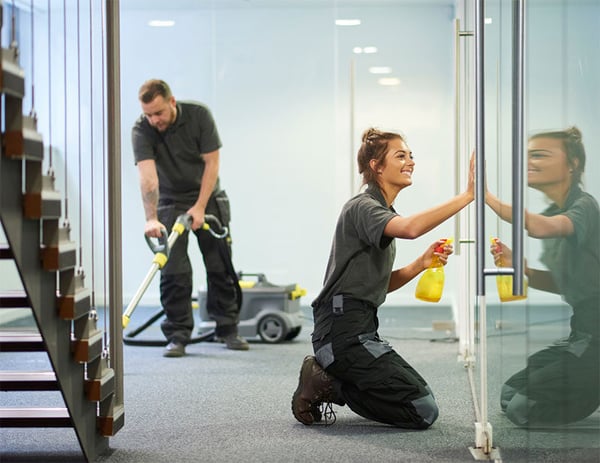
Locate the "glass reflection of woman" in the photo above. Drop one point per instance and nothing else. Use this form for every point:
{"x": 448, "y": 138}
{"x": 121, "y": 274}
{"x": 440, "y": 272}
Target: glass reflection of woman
{"x": 560, "y": 384}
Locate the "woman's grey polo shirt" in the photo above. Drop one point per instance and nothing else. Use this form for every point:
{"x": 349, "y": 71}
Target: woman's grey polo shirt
{"x": 575, "y": 260}
{"x": 361, "y": 257}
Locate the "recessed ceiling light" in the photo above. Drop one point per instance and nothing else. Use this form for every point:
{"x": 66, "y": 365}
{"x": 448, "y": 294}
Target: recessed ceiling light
{"x": 389, "y": 81}
{"x": 488, "y": 20}
{"x": 380, "y": 70}
{"x": 347, "y": 22}
{"x": 161, "y": 23}
{"x": 366, "y": 50}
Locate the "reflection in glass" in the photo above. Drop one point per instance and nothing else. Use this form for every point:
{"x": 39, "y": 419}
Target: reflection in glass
{"x": 560, "y": 384}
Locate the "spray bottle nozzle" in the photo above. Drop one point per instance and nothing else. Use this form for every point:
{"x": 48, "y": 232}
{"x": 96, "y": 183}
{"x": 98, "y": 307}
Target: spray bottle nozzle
{"x": 440, "y": 248}
{"x": 496, "y": 242}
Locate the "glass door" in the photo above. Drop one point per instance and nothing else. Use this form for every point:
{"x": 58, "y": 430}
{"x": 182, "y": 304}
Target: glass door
{"x": 535, "y": 360}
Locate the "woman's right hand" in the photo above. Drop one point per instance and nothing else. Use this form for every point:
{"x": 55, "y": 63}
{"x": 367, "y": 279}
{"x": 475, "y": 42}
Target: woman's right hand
{"x": 502, "y": 253}
{"x": 440, "y": 249}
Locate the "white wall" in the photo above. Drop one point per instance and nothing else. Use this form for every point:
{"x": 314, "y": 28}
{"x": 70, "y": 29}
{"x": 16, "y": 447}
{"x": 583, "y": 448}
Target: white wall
{"x": 277, "y": 80}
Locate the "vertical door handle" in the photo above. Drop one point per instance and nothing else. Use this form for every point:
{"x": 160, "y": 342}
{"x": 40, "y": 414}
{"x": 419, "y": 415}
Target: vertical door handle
{"x": 518, "y": 52}
{"x": 518, "y": 124}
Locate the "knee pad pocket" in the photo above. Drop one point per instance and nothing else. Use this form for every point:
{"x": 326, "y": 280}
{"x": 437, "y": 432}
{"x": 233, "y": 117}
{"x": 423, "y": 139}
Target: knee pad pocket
{"x": 518, "y": 409}
{"x": 427, "y": 409}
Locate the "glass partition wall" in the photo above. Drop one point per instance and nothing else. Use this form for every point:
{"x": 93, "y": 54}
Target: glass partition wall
{"x": 552, "y": 406}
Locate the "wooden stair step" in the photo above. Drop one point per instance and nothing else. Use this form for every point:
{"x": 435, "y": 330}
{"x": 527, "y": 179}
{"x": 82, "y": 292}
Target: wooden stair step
{"x": 26, "y": 143}
{"x": 35, "y": 418}
{"x": 89, "y": 348}
{"x": 40, "y": 200}
{"x": 60, "y": 257}
{"x": 99, "y": 389}
{"x": 74, "y": 299}
{"x": 75, "y": 306}
{"x": 14, "y": 300}
{"x": 110, "y": 423}
{"x": 42, "y": 205}
{"x": 28, "y": 381}
{"x": 58, "y": 251}
{"x": 13, "y": 76}
{"x": 21, "y": 341}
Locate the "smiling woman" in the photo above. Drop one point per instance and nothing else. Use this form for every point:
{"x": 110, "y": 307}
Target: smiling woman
{"x": 559, "y": 155}
{"x": 352, "y": 364}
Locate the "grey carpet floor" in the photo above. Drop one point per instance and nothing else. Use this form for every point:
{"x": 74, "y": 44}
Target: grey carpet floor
{"x": 217, "y": 405}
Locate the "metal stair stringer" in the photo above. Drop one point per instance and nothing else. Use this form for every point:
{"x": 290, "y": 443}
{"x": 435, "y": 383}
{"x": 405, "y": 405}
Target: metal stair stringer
{"x": 21, "y": 153}
{"x": 24, "y": 238}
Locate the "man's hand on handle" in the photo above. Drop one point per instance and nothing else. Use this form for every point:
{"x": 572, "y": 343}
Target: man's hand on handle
{"x": 153, "y": 229}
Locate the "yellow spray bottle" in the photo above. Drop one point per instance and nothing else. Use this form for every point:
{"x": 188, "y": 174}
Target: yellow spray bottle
{"x": 504, "y": 283}
{"x": 431, "y": 283}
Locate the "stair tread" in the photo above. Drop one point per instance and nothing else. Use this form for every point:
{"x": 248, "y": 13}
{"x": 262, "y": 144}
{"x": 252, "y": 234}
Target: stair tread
{"x": 28, "y": 381}
{"x": 35, "y": 417}
{"x": 6, "y": 252}
{"x": 12, "y": 292}
{"x": 32, "y": 375}
{"x": 21, "y": 341}
{"x": 13, "y": 299}
{"x": 16, "y": 335}
{"x": 34, "y": 413}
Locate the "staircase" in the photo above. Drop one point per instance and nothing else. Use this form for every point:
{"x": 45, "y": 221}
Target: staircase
{"x": 52, "y": 288}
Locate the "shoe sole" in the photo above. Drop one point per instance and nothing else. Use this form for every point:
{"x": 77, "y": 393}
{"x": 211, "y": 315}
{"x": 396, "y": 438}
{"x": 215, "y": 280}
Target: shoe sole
{"x": 242, "y": 347}
{"x": 173, "y": 353}
{"x": 305, "y": 364}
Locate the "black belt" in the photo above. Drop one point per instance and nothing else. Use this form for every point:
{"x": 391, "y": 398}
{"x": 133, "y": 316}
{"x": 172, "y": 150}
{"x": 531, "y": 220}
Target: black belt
{"x": 341, "y": 303}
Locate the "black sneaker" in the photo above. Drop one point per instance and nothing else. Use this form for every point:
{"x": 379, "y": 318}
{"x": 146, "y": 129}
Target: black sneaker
{"x": 174, "y": 349}
{"x": 235, "y": 342}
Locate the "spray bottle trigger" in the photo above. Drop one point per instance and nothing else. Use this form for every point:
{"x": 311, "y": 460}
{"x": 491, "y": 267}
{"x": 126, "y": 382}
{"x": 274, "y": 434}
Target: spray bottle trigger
{"x": 440, "y": 248}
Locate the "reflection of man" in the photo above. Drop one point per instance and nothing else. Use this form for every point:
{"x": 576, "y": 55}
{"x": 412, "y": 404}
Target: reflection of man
{"x": 176, "y": 148}
{"x": 561, "y": 383}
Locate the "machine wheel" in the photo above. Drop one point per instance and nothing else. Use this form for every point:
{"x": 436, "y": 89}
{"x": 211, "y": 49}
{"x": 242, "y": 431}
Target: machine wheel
{"x": 272, "y": 328}
{"x": 293, "y": 333}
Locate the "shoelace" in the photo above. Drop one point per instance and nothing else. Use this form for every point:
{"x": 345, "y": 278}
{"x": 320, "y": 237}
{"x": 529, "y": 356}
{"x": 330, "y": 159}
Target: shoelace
{"x": 328, "y": 413}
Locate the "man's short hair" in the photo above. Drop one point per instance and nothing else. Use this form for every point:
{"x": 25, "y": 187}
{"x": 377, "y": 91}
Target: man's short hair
{"x": 153, "y": 88}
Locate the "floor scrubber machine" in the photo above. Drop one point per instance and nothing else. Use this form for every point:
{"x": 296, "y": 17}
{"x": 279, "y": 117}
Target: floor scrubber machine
{"x": 269, "y": 311}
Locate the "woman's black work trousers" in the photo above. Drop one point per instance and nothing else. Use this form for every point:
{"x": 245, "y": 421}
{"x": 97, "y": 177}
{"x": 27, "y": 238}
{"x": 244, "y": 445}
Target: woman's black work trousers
{"x": 370, "y": 377}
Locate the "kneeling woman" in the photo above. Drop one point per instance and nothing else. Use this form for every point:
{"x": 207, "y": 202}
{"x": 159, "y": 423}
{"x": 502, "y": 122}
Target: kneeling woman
{"x": 352, "y": 364}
